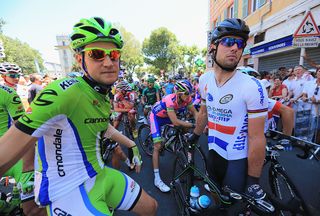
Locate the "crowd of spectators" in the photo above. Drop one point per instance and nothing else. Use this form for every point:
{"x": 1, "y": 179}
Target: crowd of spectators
{"x": 298, "y": 88}
{"x": 30, "y": 85}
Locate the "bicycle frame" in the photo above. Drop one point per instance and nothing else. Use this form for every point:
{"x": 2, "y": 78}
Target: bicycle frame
{"x": 225, "y": 195}
{"x": 275, "y": 170}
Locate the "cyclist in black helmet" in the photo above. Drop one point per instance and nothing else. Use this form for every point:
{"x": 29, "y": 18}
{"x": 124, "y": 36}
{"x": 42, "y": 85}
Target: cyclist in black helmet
{"x": 234, "y": 106}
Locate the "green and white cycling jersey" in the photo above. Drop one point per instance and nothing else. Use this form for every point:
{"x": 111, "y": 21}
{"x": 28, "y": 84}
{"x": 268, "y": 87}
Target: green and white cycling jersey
{"x": 69, "y": 117}
{"x": 11, "y": 108}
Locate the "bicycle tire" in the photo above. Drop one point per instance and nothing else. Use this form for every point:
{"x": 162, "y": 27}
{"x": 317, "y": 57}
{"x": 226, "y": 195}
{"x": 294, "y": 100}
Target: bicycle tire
{"x": 283, "y": 188}
{"x": 145, "y": 139}
{"x": 180, "y": 186}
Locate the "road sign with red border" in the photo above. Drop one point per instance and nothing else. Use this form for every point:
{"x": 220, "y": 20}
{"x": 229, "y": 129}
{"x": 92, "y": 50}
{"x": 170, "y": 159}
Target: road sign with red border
{"x": 308, "y": 27}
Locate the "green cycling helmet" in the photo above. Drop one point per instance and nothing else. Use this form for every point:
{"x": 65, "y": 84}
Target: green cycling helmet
{"x": 94, "y": 29}
{"x": 150, "y": 80}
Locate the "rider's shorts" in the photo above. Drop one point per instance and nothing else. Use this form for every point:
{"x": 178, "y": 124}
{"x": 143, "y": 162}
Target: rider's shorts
{"x": 109, "y": 190}
{"x": 155, "y": 125}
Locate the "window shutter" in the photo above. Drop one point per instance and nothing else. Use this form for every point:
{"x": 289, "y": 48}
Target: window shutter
{"x": 245, "y": 8}
{"x": 225, "y": 15}
{"x": 235, "y": 8}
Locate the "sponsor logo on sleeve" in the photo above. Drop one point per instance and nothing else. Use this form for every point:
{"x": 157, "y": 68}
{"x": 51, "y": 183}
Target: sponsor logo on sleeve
{"x": 67, "y": 83}
{"x": 260, "y": 90}
{"x": 16, "y": 99}
{"x": 6, "y": 89}
{"x": 26, "y": 119}
{"x": 41, "y": 100}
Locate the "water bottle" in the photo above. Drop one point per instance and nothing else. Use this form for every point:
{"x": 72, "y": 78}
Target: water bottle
{"x": 203, "y": 202}
{"x": 194, "y": 195}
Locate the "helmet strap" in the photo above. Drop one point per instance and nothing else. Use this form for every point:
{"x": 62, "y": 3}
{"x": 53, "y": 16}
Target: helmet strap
{"x": 99, "y": 87}
{"x": 228, "y": 69}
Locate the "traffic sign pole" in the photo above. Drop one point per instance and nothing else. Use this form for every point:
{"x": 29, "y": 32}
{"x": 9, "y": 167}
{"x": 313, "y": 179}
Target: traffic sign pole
{"x": 302, "y": 53}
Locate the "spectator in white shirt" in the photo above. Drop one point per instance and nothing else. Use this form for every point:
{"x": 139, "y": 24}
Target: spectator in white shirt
{"x": 311, "y": 93}
{"x": 297, "y": 85}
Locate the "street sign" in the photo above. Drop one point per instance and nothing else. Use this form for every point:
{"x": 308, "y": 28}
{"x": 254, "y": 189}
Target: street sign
{"x": 306, "y": 42}
{"x": 308, "y": 27}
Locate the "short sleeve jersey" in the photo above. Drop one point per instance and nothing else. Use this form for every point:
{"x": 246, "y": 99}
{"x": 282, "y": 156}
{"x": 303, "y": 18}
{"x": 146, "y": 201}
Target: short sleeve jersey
{"x": 169, "y": 103}
{"x": 229, "y": 107}
{"x": 69, "y": 117}
{"x": 11, "y": 108}
{"x": 150, "y": 94}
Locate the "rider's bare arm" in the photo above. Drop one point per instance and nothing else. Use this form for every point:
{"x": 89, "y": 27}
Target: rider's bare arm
{"x": 201, "y": 120}
{"x": 115, "y": 135}
{"x": 177, "y": 122}
{"x": 13, "y": 145}
{"x": 256, "y": 146}
{"x": 287, "y": 118}
{"x": 193, "y": 111}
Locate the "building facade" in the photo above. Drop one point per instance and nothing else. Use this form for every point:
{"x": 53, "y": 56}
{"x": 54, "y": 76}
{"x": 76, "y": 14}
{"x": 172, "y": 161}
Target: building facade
{"x": 272, "y": 25}
{"x": 65, "y": 53}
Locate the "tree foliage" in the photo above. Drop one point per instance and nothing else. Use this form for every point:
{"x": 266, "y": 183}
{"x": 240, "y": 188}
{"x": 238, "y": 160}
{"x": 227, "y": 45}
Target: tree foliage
{"x": 2, "y": 23}
{"x": 161, "y": 49}
{"x": 131, "y": 56}
{"x": 76, "y": 67}
{"x": 21, "y": 54}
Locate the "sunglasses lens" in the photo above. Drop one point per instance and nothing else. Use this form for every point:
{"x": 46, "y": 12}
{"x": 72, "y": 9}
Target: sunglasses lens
{"x": 96, "y": 54}
{"x": 13, "y": 75}
{"x": 99, "y": 55}
{"x": 114, "y": 55}
{"x": 229, "y": 42}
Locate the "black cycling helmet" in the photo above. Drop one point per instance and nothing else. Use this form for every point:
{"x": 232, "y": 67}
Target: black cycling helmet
{"x": 230, "y": 26}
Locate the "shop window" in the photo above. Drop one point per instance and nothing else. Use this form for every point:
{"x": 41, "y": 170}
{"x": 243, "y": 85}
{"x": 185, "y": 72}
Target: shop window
{"x": 259, "y": 38}
{"x": 231, "y": 11}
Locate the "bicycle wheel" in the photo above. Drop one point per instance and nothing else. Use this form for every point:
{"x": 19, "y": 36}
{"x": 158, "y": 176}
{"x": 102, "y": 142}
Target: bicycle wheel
{"x": 181, "y": 184}
{"x": 145, "y": 139}
{"x": 284, "y": 189}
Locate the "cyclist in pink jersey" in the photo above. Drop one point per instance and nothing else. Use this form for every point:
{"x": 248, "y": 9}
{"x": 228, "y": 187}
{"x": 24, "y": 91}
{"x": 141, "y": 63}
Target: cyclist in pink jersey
{"x": 164, "y": 112}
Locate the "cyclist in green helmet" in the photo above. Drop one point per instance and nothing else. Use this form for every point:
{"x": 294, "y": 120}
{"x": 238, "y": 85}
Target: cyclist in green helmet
{"x": 11, "y": 108}
{"x": 150, "y": 95}
{"x": 69, "y": 118}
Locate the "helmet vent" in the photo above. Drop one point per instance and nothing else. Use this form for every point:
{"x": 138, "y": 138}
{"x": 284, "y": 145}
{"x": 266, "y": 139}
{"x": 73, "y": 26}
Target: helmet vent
{"x": 113, "y": 32}
{"x": 77, "y": 36}
{"x": 100, "y": 21}
{"x": 77, "y": 25}
{"x": 90, "y": 29}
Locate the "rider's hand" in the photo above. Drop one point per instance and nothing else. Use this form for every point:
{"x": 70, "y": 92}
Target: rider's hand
{"x": 193, "y": 138}
{"x": 136, "y": 160}
{"x": 253, "y": 188}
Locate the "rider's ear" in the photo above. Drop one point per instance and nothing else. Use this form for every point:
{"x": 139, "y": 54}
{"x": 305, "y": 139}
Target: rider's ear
{"x": 78, "y": 58}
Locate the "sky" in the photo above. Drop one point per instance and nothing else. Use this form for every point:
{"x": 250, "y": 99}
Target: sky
{"x": 37, "y": 22}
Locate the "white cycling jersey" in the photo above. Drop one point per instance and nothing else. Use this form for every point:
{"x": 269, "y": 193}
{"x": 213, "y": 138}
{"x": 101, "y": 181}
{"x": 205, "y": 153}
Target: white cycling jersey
{"x": 229, "y": 108}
